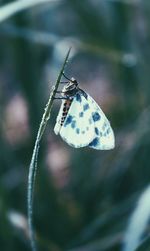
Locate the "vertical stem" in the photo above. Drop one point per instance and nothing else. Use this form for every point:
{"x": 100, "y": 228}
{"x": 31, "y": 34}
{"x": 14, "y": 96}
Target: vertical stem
{"x": 33, "y": 163}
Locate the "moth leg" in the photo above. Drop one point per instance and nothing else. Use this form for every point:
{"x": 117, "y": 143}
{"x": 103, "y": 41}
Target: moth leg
{"x": 63, "y": 82}
{"x": 60, "y": 92}
{"x": 61, "y": 98}
{"x": 65, "y": 98}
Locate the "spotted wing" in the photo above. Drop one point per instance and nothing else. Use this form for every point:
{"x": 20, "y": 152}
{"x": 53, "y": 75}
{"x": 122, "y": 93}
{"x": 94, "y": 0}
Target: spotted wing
{"x": 78, "y": 127}
{"x": 104, "y": 137}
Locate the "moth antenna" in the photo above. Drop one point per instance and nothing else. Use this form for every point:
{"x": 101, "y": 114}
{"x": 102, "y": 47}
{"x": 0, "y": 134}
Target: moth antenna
{"x": 66, "y": 77}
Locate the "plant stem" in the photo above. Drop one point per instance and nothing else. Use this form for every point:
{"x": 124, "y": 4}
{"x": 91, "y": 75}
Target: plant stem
{"x": 33, "y": 164}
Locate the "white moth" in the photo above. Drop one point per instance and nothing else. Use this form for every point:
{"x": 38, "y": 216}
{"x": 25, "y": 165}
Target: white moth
{"x": 81, "y": 122}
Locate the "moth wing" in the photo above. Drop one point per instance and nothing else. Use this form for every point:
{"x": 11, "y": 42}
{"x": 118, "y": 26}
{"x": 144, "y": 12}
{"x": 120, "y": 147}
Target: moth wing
{"x": 104, "y": 136}
{"x": 58, "y": 120}
{"x": 78, "y": 127}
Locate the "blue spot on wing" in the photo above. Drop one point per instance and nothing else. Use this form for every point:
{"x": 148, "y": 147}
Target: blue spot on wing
{"x": 81, "y": 114}
{"x": 77, "y": 130}
{"x": 68, "y": 120}
{"x": 94, "y": 142}
{"x": 104, "y": 126}
{"x": 96, "y": 116}
{"x": 108, "y": 131}
{"x": 86, "y": 107}
{"x": 90, "y": 121}
{"x": 73, "y": 124}
{"x": 78, "y": 97}
{"x": 96, "y": 131}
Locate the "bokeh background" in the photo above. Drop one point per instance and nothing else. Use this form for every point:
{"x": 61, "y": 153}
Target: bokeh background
{"x": 83, "y": 198}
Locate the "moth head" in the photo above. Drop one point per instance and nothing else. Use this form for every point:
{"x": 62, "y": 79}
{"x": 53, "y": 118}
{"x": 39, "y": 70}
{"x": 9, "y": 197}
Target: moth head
{"x": 71, "y": 85}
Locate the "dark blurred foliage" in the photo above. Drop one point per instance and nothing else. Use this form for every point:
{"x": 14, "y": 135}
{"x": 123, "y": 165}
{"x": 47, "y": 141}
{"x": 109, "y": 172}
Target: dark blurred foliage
{"x": 83, "y": 197}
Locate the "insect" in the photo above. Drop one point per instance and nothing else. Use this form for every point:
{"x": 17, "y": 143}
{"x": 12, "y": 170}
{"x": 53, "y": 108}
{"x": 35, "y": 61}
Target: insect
{"x": 80, "y": 121}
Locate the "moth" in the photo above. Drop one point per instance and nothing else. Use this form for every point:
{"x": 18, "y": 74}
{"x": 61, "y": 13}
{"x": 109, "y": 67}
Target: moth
{"x": 80, "y": 121}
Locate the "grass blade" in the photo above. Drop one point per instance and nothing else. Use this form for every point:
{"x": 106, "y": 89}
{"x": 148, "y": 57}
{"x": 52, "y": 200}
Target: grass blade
{"x": 33, "y": 164}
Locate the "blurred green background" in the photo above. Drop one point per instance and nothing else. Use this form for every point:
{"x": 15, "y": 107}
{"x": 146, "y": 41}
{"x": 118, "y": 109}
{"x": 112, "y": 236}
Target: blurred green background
{"x": 83, "y": 197}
